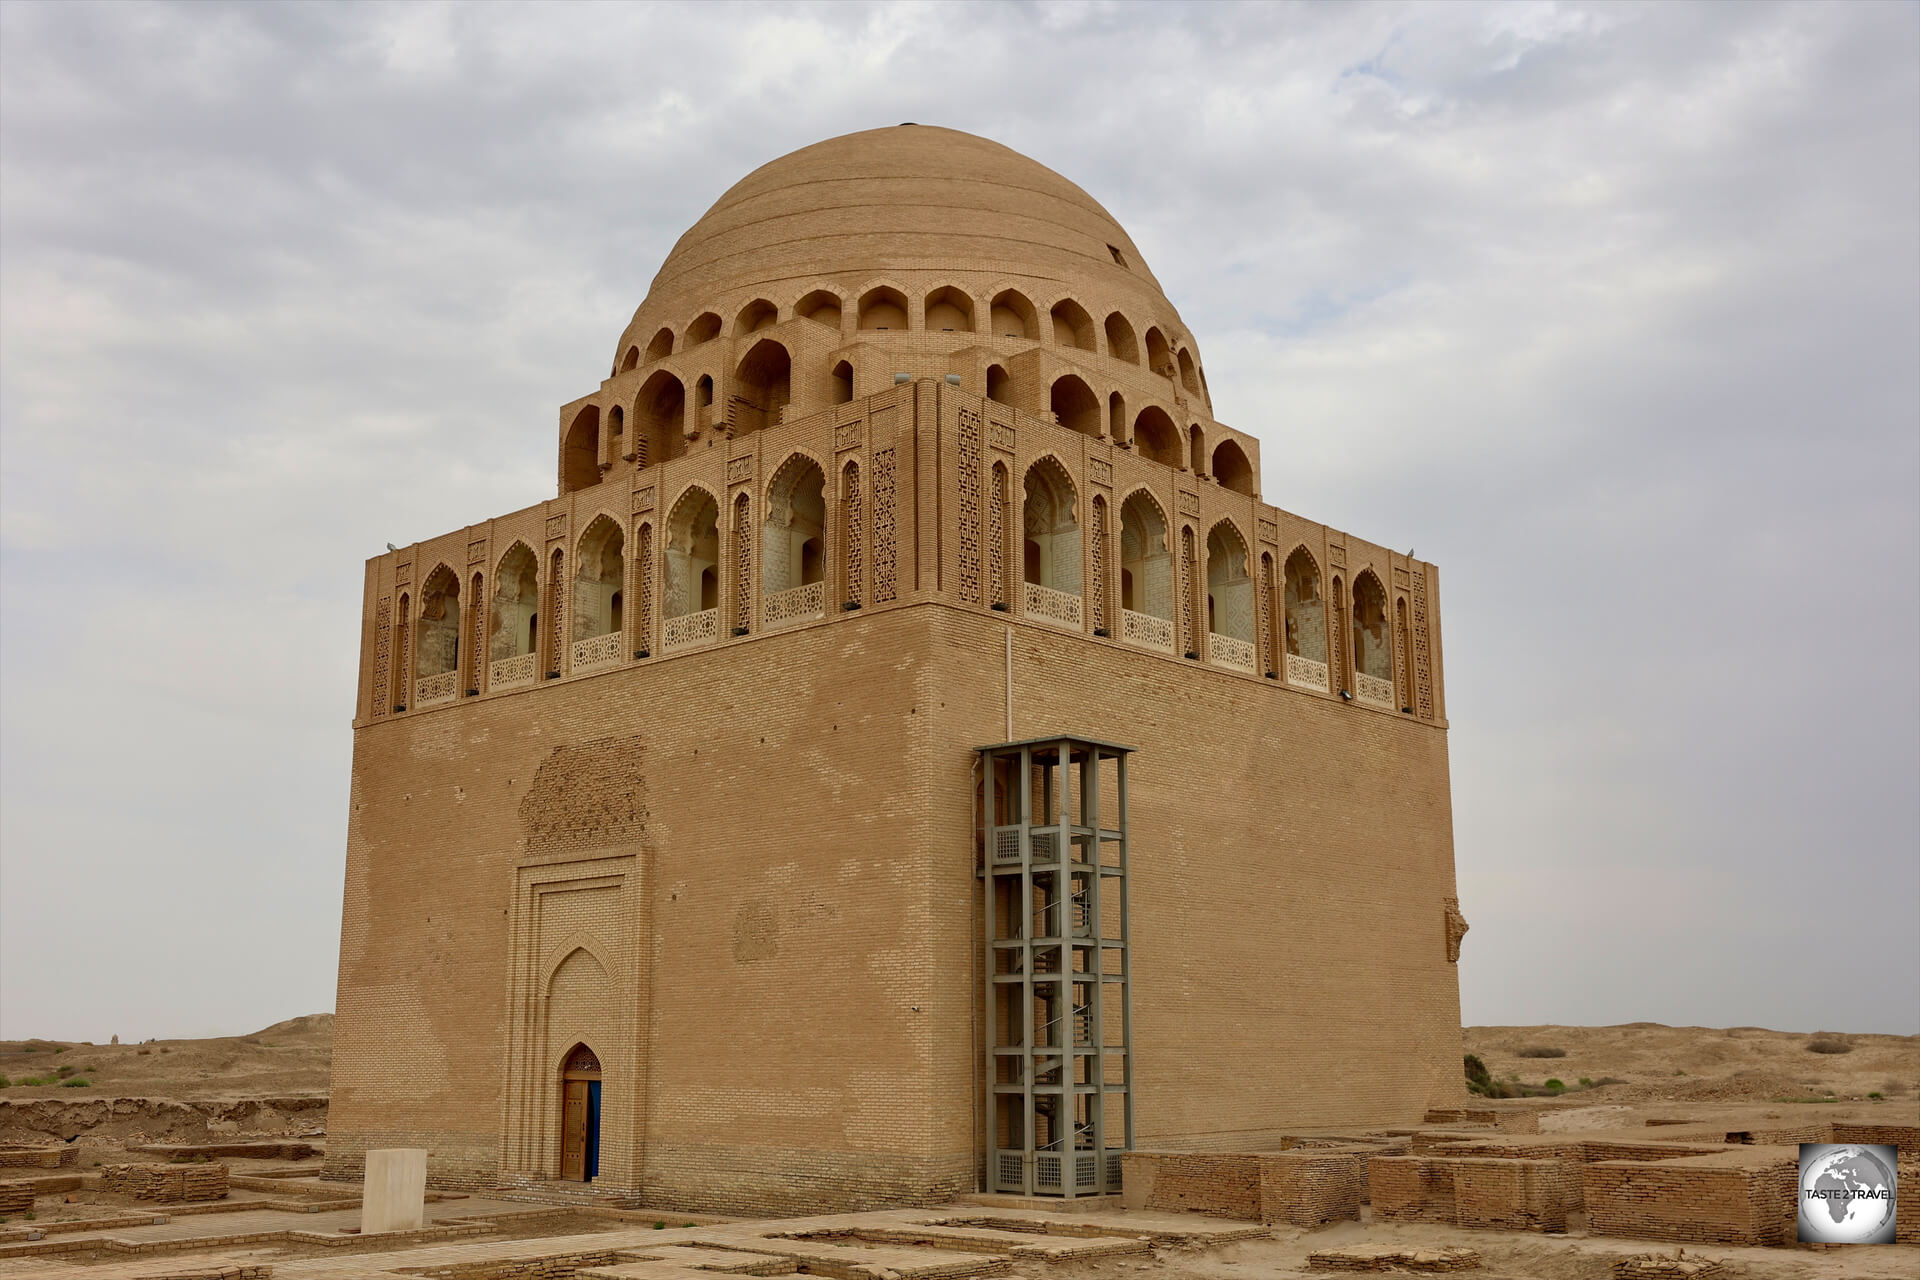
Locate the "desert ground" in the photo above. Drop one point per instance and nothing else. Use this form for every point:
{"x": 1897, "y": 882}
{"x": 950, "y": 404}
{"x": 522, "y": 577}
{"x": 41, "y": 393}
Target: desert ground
{"x": 256, "y": 1104}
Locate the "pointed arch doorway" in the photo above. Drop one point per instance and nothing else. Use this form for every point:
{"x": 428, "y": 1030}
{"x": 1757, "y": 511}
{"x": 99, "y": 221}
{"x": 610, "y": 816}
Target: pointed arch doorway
{"x": 580, "y": 1115}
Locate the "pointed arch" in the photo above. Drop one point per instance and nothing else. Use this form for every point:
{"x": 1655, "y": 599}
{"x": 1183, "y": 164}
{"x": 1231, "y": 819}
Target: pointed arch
{"x": 1337, "y": 639}
{"x": 1146, "y": 572}
{"x": 1372, "y": 646}
{"x": 403, "y": 654}
{"x": 843, "y": 382}
{"x": 999, "y": 384}
{"x": 580, "y": 451}
{"x": 1117, "y": 419}
{"x": 1074, "y": 405}
{"x": 1197, "y": 450}
{"x": 1229, "y": 596}
{"x": 1304, "y": 613}
{"x": 1050, "y": 528}
{"x": 1159, "y": 354}
{"x": 513, "y": 629}
{"x": 1230, "y": 468}
{"x": 437, "y": 638}
{"x": 659, "y": 419}
{"x": 705, "y": 328}
{"x": 1121, "y": 343}
{"x": 949, "y": 309}
{"x": 883, "y": 307}
{"x": 763, "y": 387}
{"x": 1072, "y": 326}
{"x": 822, "y": 306}
{"x": 691, "y": 555}
{"x": 1189, "y": 376}
{"x": 755, "y": 316}
{"x": 793, "y": 539}
{"x": 1012, "y": 316}
{"x": 1155, "y": 437}
{"x": 576, "y": 944}
{"x": 599, "y": 586}
{"x": 631, "y": 360}
{"x": 662, "y": 345}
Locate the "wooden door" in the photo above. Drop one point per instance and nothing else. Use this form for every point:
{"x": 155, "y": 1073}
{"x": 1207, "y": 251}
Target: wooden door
{"x": 573, "y": 1131}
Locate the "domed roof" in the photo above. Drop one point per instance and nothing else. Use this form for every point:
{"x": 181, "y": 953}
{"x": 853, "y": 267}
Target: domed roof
{"x": 892, "y": 201}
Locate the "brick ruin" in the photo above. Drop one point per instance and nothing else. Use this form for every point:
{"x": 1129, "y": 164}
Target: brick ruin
{"x": 1714, "y": 1187}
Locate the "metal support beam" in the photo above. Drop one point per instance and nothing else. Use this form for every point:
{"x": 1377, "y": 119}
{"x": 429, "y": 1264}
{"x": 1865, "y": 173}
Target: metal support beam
{"x": 1059, "y": 1024}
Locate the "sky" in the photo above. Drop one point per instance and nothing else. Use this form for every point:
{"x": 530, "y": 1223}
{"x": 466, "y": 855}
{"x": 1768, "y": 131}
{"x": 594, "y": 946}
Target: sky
{"x": 1612, "y": 312}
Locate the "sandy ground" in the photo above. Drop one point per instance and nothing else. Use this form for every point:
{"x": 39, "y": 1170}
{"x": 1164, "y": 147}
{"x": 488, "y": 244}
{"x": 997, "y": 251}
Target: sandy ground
{"x": 288, "y": 1059}
{"x": 1661, "y": 1076}
{"x": 1657, "y": 1063}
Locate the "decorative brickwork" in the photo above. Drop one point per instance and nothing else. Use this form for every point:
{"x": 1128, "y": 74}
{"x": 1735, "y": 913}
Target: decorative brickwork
{"x": 885, "y": 550}
{"x": 382, "y": 654}
{"x": 1188, "y": 585}
{"x": 1264, "y": 608}
{"x": 476, "y": 648}
{"x": 403, "y": 654}
{"x": 1422, "y": 663}
{"x": 556, "y": 608}
{"x": 742, "y": 564}
{"x": 968, "y": 537}
{"x": 643, "y": 588}
{"x": 851, "y": 544}
{"x": 1097, "y": 562}
{"x": 996, "y": 540}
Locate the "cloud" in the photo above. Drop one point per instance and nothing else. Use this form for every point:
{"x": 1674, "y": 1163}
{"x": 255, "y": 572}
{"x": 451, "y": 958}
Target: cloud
{"x": 1609, "y": 310}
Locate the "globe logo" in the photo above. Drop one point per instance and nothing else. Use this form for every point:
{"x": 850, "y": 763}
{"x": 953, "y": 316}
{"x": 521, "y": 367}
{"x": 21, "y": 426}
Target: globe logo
{"x": 1847, "y": 1193}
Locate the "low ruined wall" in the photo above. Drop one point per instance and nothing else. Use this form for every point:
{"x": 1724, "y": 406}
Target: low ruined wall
{"x": 1411, "y": 1188}
{"x": 12, "y": 1157}
{"x": 1906, "y": 1204}
{"x": 1513, "y": 1195}
{"x": 1311, "y": 1188}
{"x": 1224, "y": 1184}
{"x": 1506, "y": 1120}
{"x": 16, "y": 1197}
{"x": 1904, "y": 1136}
{"x": 137, "y": 1120}
{"x": 166, "y": 1183}
{"x": 1732, "y": 1198}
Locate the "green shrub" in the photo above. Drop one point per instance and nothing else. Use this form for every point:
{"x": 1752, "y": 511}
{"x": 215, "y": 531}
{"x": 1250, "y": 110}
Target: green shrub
{"x": 1586, "y": 1082}
{"x": 5, "y": 1083}
{"x": 1539, "y": 1051}
{"x": 65, "y": 1070}
{"x": 77, "y": 1082}
{"x": 659, "y": 1226}
{"x": 1878, "y": 1096}
{"x": 1556, "y": 1085}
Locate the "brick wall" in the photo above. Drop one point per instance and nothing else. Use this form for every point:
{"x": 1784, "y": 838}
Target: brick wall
{"x": 1411, "y": 1189}
{"x": 1513, "y": 1195}
{"x": 166, "y": 1183}
{"x": 1732, "y": 1198}
{"x": 1223, "y": 1184}
{"x": 1313, "y": 1187}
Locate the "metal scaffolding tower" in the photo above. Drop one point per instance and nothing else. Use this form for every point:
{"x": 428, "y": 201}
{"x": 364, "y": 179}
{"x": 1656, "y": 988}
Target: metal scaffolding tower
{"x": 1059, "y": 1021}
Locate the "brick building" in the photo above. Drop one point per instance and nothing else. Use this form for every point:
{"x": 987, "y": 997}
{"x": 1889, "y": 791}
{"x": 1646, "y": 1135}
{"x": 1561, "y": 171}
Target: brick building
{"x": 669, "y": 824}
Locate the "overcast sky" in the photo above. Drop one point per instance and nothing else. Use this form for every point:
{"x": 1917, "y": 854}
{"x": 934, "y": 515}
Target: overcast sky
{"x": 1612, "y": 312}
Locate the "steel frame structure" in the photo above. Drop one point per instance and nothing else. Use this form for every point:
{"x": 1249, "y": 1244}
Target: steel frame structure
{"x": 1059, "y": 1021}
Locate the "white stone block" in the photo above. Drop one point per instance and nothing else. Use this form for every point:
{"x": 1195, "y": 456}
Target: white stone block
{"x": 395, "y": 1193}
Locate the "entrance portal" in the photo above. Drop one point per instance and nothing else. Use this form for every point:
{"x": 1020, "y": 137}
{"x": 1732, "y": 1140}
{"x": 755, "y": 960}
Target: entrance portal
{"x": 580, "y": 1116}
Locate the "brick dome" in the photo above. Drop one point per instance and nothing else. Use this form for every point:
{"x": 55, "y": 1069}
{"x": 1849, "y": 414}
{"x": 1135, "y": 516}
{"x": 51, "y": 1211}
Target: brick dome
{"x": 910, "y": 206}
